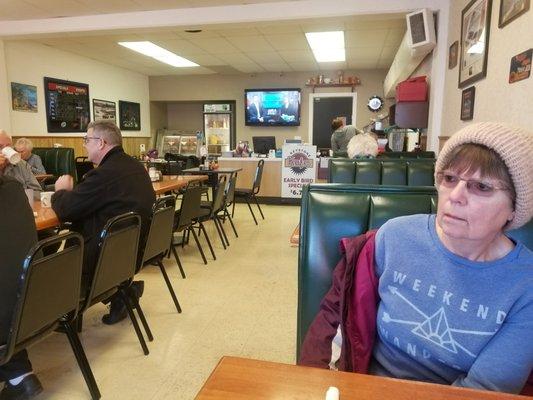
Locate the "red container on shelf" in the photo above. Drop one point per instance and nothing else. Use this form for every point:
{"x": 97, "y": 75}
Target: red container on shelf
{"x": 412, "y": 89}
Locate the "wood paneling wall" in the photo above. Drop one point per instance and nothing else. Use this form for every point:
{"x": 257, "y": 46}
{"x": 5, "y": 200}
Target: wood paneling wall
{"x": 130, "y": 144}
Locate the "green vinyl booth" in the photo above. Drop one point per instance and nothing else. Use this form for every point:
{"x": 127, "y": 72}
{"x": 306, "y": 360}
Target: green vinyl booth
{"x": 57, "y": 160}
{"x": 410, "y": 172}
{"x": 330, "y": 212}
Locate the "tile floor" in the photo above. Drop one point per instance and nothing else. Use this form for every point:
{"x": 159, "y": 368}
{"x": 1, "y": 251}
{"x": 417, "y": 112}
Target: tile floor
{"x": 242, "y": 304}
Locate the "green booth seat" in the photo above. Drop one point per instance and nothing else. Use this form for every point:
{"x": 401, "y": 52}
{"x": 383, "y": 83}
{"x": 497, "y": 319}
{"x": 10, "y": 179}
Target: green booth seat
{"x": 330, "y": 212}
{"x": 410, "y": 172}
{"x": 57, "y": 160}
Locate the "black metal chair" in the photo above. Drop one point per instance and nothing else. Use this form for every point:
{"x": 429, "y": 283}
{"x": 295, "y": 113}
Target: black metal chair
{"x": 250, "y": 194}
{"x": 229, "y": 199}
{"x": 116, "y": 266}
{"x": 185, "y": 218}
{"x": 159, "y": 241}
{"x": 210, "y": 210}
{"x": 48, "y": 298}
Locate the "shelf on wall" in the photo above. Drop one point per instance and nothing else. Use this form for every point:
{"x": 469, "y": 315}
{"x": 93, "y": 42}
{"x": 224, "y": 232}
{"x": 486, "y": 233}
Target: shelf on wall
{"x": 321, "y": 85}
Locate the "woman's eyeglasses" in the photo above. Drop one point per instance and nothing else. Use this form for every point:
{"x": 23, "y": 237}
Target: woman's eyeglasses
{"x": 479, "y": 188}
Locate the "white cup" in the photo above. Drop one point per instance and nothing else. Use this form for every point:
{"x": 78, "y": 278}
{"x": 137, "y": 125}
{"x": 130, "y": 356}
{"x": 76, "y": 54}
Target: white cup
{"x": 11, "y": 154}
{"x": 46, "y": 199}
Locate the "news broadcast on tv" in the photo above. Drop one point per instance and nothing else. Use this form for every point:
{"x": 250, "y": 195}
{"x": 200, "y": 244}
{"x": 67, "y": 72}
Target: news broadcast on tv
{"x": 272, "y": 107}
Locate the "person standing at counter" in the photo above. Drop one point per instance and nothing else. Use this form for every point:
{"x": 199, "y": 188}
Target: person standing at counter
{"x": 341, "y": 135}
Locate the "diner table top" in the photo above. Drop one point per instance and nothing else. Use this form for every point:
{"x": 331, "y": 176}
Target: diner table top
{"x": 46, "y": 217}
{"x": 240, "y": 378}
{"x": 221, "y": 170}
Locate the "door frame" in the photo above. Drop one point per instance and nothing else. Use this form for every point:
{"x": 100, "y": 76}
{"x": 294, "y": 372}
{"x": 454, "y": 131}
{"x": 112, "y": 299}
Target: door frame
{"x": 312, "y": 97}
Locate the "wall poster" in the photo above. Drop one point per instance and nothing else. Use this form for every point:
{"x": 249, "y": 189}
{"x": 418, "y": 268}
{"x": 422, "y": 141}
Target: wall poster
{"x": 130, "y": 115}
{"x": 67, "y": 105}
{"x": 104, "y": 110}
{"x": 298, "y": 169}
{"x": 23, "y": 97}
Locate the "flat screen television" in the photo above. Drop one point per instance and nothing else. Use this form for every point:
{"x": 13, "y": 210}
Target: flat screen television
{"x": 262, "y": 144}
{"x": 272, "y": 107}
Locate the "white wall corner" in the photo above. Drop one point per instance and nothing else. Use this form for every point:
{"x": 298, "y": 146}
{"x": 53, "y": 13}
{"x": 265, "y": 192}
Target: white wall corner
{"x": 5, "y": 104}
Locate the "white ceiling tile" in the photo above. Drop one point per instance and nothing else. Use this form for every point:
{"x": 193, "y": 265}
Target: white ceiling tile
{"x": 332, "y": 66}
{"x": 241, "y": 31}
{"x": 280, "y": 28}
{"x": 235, "y": 58}
{"x": 206, "y": 60}
{"x": 181, "y": 47}
{"x": 389, "y": 52}
{"x": 214, "y": 45}
{"x": 367, "y": 52}
{"x": 303, "y": 65}
{"x": 395, "y": 36}
{"x": 288, "y": 41}
{"x": 250, "y": 43}
{"x": 270, "y": 57}
{"x": 361, "y": 64}
{"x": 322, "y": 26}
{"x": 297, "y": 55}
{"x": 248, "y": 67}
{"x": 374, "y": 37}
{"x": 276, "y": 67}
{"x": 206, "y": 33}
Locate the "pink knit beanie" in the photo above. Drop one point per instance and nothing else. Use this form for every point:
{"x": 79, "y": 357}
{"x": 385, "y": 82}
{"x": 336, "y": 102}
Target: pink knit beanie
{"x": 515, "y": 148}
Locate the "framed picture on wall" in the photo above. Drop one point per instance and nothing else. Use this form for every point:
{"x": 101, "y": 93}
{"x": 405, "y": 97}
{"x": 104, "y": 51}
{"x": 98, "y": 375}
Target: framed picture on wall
{"x": 453, "y": 54}
{"x": 467, "y": 103}
{"x": 104, "y": 110}
{"x": 23, "y": 97}
{"x": 130, "y": 115}
{"x": 67, "y": 105}
{"x": 475, "y": 28}
{"x": 520, "y": 66}
{"x": 511, "y": 10}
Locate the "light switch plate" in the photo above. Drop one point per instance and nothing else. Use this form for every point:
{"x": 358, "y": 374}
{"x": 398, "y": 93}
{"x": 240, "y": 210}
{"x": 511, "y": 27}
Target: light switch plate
{"x": 142, "y": 147}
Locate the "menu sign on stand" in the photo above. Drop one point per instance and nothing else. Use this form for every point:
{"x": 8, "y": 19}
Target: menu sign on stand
{"x": 298, "y": 169}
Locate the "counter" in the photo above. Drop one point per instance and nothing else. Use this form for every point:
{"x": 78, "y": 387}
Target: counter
{"x": 271, "y": 180}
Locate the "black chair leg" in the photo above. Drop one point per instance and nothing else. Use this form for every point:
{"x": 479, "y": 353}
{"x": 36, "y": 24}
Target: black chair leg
{"x": 140, "y": 312}
{"x": 202, "y": 227}
{"x": 178, "y": 261}
{"x": 81, "y": 358}
{"x": 191, "y": 229}
{"x": 222, "y": 229}
{"x": 233, "y": 209}
{"x": 79, "y": 322}
{"x": 219, "y": 233}
{"x": 258, "y": 206}
{"x": 169, "y": 285}
{"x": 252, "y": 211}
{"x": 226, "y": 212}
{"x": 126, "y": 299}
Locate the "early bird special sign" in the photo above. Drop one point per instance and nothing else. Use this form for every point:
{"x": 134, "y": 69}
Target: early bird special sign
{"x": 298, "y": 169}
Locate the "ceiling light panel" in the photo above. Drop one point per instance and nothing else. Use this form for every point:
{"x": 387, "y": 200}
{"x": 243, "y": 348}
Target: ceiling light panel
{"x": 327, "y": 46}
{"x": 160, "y": 54}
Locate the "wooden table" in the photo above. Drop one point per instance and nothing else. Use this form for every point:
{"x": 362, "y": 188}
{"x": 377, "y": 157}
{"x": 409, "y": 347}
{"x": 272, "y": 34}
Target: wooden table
{"x": 174, "y": 182}
{"x": 295, "y": 237}
{"x": 240, "y": 378}
{"x": 46, "y": 217}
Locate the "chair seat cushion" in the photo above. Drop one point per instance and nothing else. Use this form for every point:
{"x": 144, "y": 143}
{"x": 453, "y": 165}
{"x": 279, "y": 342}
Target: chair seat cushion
{"x": 243, "y": 192}
{"x": 206, "y": 204}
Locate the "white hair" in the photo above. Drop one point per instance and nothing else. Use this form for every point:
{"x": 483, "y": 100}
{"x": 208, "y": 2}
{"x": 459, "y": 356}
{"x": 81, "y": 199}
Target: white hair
{"x": 362, "y": 145}
{"x": 25, "y": 143}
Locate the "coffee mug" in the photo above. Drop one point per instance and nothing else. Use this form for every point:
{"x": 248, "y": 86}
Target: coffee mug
{"x": 11, "y": 154}
{"x": 46, "y": 199}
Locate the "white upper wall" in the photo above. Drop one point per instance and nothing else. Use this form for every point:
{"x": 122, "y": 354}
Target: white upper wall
{"x": 29, "y": 63}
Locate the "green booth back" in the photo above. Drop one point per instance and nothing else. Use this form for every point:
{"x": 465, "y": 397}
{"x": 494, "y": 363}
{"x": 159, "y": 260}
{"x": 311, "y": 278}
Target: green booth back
{"x": 407, "y": 154}
{"x": 57, "y": 160}
{"x": 410, "y": 172}
{"x": 330, "y": 212}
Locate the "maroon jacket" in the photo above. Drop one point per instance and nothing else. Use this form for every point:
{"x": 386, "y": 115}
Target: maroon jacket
{"x": 347, "y": 313}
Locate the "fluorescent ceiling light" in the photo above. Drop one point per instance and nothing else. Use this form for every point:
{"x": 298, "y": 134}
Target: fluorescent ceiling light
{"x": 160, "y": 54}
{"x": 327, "y": 46}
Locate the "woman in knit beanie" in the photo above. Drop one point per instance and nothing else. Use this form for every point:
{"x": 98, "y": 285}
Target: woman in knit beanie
{"x": 456, "y": 293}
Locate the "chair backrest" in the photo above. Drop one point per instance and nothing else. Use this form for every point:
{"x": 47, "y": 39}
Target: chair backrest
{"x": 218, "y": 197}
{"x": 83, "y": 166}
{"x": 407, "y": 154}
{"x": 58, "y": 160}
{"x": 333, "y": 211}
{"x": 330, "y": 212}
{"x": 117, "y": 258}
{"x": 258, "y": 176}
{"x": 160, "y": 232}
{"x": 410, "y": 172}
{"x": 230, "y": 190}
{"x": 190, "y": 206}
{"x": 49, "y": 291}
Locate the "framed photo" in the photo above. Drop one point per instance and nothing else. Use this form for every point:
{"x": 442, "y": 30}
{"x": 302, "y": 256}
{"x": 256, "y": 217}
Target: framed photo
{"x": 104, "y": 110}
{"x": 511, "y": 10}
{"x": 467, "y": 103}
{"x": 520, "y": 66}
{"x": 24, "y": 97}
{"x": 475, "y": 27}
{"x": 67, "y": 105}
{"x": 130, "y": 115}
{"x": 453, "y": 54}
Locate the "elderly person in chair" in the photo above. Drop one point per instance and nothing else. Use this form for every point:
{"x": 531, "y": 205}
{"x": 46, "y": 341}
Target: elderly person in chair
{"x": 24, "y": 147}
{"x": 20, "y": 171}
{"x": 451, "y": 294}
